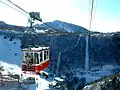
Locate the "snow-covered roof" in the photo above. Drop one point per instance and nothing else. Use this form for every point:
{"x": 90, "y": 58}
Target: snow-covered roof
{"x": 39, "y": 48}
{"x": 35, "y": 48}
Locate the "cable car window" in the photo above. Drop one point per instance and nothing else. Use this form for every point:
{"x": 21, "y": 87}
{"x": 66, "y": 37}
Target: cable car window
{"x": 41, "y": 57}
{"x": 36, "y": 58}
{"x": 24, "y": 60}
{"x": 45, "y": 55}
{"x": 29, "y": 58}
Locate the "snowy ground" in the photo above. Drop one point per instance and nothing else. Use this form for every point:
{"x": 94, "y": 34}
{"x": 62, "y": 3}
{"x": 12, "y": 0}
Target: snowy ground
{"x": 10, "y": 68}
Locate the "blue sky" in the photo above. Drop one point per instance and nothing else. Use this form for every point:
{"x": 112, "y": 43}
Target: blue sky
{"x": 107, "y": 16}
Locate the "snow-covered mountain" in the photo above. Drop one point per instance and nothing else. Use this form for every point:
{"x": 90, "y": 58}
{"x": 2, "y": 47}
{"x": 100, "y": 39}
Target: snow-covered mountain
{"x": 62, "y": 27}
{"x": 2, "y": 23}
{"x": 5, "y": 26}
{"x": 52, "y": 27}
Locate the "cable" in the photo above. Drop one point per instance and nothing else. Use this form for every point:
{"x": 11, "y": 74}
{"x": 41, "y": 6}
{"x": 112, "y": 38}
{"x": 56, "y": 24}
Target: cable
{"x": 17, "y": 6}
{"x": 13, "y": 8}
{"x": 87, "y": 40}
{"x": 25, "y": 12}
{"x": 40, "y": 21}
{"x": 91, "y": 14}
{"x": 28, "y": 13}
{"x": 95, "y": 9}
{"x": 89, "y": 6}
{"x": 88, "y": 19}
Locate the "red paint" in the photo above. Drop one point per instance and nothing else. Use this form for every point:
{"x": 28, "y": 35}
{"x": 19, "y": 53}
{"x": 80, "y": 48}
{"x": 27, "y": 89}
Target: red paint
{"x": 24, "y": 67}
{"x": 42, "y": 66}
{"x": 35, "y": 68}
{"x": 28, "y": 68}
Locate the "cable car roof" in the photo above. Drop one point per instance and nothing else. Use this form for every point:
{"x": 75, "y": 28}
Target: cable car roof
{"x": 35, "y": 49}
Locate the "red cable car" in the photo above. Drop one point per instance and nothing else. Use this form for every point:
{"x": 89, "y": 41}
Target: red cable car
{"x": 35, "y": 59}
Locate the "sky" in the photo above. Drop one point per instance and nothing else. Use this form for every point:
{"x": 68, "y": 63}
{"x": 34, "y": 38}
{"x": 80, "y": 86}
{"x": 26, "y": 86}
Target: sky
{"x": 106, "y": 16}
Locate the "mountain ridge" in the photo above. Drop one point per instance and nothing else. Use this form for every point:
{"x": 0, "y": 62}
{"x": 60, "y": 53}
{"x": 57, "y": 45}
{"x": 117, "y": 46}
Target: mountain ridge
{"x": 56, "y": 26}
{"x": 5, "y": 26}
{"x": 62, "y": 26}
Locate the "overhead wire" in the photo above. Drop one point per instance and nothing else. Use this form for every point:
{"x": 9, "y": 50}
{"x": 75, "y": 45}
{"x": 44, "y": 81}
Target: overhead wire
{"x": 43, "y": 22}
{"x": 91, "y": 15}
{"x": 89, "y": 7}
{"x": 87, "y": 39}
{"x": 95, "y": 9}
{"x": 13, "y": 8}
{"x": 24, "y": 11}
{"x": 17, "y": 6}
{"x": 40, "y": 21}
{"x": 90, "y": 27}
{"x": 90, "y": 22}
{"x": 28, "y": 13}
{"x": 88, "y": 19}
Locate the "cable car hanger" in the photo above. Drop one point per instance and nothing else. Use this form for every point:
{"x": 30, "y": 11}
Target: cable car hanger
{"x": 33, "y": 16}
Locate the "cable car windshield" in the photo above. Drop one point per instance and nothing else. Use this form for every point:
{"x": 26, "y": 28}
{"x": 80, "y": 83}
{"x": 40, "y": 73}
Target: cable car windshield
{"x": 30, "y": 58}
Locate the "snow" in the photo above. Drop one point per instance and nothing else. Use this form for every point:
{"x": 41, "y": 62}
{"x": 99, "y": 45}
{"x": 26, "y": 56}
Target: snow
{"x": 10, "y": 68}
{"x": 90, "y": 78}
{"x": 42, "y": 84}
{"x": 59, "y": 79}
{"x": 36, "y": 48}
{"x": 105, "y": 70}
{"x": 53, "y": 83}
{"x": 87, "y": 87}
{"x": 40, "y": 31}
{"x": 46, "y": 73}
{"x": 95, "y": 75}
{"x": 39, "y": 48}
